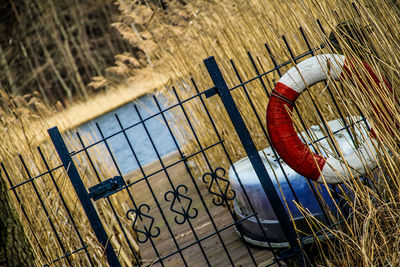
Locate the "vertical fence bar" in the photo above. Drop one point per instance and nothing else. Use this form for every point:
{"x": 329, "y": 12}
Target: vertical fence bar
{"x": 83, "y": 196}
{"x": 255, "y": 159}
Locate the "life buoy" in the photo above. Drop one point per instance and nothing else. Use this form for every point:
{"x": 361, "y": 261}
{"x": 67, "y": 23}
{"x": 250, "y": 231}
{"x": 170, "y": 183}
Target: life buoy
{"x": 285, "y": 139}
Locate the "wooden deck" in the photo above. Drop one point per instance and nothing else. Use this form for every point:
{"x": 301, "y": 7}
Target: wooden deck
{"x": 201, "y": 227}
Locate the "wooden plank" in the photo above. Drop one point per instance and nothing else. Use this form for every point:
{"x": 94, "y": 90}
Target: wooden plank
{"x": 202, "y": 225}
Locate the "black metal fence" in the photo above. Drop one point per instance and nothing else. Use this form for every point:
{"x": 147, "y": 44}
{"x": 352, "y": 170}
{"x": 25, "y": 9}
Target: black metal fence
{"x": 176, "y": 219}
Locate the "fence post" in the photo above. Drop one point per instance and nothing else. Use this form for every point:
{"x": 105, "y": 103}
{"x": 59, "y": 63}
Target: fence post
{"x": 83, "y": 196}
{"x": 255, "y": 159}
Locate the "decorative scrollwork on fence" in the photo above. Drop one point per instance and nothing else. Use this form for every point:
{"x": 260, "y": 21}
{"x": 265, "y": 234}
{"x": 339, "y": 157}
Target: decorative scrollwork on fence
{"x": 178, "y": 197}
{"x": 219, "y": 186}
{"x": 148, "y": 230}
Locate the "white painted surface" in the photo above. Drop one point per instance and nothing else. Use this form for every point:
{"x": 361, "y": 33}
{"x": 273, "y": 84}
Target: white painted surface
{"x": 358, "y": 162}
{"x": 359, "y": 159}
{"x": 312, "y": 71}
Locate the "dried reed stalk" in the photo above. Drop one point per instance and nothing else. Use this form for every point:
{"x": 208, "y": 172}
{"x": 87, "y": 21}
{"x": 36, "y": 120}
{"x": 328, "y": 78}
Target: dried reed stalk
{"x": 55, "y": 47}
{"x": 371, "y": 237}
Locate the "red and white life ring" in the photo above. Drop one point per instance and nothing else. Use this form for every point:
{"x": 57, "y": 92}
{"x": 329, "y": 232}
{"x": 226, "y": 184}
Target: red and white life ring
{"x": 285, "y": 139}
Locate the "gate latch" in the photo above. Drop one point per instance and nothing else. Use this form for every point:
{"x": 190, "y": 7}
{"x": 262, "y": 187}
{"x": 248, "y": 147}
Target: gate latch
{"x": 106, "y": 188}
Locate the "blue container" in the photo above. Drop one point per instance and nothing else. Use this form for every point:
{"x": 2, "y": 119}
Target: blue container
{"x": 275, "y": 235}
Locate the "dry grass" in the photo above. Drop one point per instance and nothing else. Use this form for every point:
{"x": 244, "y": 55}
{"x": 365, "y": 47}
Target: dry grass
{"x": 56, "y": 48}
{"x": 229, "y": 29}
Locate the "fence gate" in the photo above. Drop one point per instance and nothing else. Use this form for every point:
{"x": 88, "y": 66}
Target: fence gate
{"x": 178, "y": 221}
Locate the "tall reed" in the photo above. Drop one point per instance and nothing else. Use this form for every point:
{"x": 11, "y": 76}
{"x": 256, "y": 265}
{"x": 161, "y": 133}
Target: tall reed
{"x": 227, "y": 30}
{"x": 55, "y": 48}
